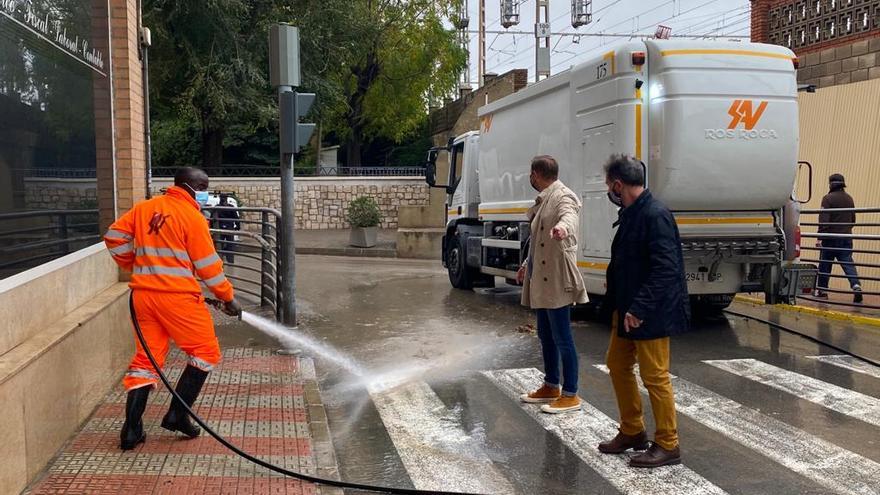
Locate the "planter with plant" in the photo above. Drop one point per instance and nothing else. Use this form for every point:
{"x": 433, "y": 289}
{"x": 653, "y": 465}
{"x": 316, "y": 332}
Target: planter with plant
{"x": 364, "y": 217}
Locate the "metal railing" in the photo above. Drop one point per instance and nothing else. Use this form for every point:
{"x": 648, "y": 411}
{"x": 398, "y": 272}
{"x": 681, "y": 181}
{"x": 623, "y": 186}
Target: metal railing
{"x": 302, "y": 171}
{"x": 858, "y": 249}
{"x": 32, "y": 237}
{"x": 248, "y": 241}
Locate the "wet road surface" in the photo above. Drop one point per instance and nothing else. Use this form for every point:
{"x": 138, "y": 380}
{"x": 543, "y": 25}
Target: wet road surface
{"x": 758, "y": 411}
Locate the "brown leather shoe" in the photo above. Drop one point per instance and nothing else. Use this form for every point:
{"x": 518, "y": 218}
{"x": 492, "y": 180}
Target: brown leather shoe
{"x": 621, "y": 443}
{"x": 656, "y": 456}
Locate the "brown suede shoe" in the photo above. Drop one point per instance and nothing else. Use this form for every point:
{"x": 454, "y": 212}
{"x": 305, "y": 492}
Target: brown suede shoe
{"x": 545, "y": 394}
{"x": 563, "y": 404}
{"x": 656, "y": 456}
{"x": 621, "y": 443}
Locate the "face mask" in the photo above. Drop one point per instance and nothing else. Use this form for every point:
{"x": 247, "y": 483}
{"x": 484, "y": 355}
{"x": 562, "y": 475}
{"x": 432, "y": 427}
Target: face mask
{"x": 201, "y": 196}
{"x": 532, "y": 182}
{"x": 615, "y": 198}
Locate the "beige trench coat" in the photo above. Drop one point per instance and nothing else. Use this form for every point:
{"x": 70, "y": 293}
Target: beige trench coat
{"x": 555, "y": 280}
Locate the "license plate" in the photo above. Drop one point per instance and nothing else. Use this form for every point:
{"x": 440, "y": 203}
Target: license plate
{"x": 701, "y": 277}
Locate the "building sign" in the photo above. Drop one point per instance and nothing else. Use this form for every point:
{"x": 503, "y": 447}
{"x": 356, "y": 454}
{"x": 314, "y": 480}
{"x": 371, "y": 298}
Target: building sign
{"x": 55, "y": 29}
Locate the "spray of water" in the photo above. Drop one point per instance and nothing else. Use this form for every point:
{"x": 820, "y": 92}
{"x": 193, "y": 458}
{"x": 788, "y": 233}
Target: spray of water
{"x": 291, "y": 338}
{"x": 443, "y": 359}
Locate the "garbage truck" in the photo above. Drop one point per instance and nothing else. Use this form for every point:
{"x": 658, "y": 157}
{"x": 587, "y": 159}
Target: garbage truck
{"x": 715, "y": 125}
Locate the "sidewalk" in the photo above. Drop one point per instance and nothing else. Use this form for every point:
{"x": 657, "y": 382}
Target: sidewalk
{"x": 265, "y": 403}
{"x": 335, "y": 243}
{"x": 819, "y": 308}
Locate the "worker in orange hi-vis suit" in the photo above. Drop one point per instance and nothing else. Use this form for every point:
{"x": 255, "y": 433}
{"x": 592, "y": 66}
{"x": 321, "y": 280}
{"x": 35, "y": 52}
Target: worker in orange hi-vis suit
{"x": 165, "y": 243}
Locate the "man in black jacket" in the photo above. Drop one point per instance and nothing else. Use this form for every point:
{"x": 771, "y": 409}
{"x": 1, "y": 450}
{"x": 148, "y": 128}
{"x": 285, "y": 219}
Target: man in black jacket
{"x": 837, "y": 222}
{"x": 648, "y": 302}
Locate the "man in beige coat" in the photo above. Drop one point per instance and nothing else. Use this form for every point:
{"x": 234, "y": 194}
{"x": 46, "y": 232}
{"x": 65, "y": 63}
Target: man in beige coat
{"x": 552, "y": 283}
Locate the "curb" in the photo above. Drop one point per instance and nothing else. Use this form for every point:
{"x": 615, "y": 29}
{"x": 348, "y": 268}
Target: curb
{"x": 322, "y": 442}
{"x": 349, "y": 251}
{"x": 821, "y": 313}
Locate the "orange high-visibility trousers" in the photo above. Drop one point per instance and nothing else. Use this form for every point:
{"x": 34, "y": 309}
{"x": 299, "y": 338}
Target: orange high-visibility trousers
{"x": 179, "y": 315}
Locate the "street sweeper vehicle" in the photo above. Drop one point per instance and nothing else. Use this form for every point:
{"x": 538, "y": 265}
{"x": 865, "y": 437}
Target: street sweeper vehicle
{"x": 716, "y": 126}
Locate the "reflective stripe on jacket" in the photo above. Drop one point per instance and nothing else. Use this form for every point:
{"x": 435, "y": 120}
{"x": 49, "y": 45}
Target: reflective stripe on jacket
{"x": 165, "y": 243}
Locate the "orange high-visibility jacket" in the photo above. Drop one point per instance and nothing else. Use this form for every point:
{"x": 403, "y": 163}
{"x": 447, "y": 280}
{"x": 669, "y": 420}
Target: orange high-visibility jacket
{"x": 163, "y": 242}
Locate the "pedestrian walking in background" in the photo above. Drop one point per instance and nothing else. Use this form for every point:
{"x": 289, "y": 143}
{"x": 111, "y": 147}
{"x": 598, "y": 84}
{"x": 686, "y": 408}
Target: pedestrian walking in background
{"x": 837, "y": 248}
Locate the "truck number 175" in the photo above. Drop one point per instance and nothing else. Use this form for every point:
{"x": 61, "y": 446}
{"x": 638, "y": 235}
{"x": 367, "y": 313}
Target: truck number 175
{"x": 601, "y": 70}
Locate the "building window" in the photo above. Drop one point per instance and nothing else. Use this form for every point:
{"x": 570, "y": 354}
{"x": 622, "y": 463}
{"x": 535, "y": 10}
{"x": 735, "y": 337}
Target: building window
{"x": 55, "y": 129}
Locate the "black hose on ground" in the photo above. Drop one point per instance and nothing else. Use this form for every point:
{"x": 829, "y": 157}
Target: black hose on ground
{"x": 256, "y": 460}
{"x": 803, "y": 335}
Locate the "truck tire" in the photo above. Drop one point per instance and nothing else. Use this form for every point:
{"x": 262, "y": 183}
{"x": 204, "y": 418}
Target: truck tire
{"x": 460, "y": 275}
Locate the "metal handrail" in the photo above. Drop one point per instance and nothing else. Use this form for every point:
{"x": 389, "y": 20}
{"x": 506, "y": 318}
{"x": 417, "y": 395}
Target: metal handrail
{"x": 867, "y": 259}
{"x": 261, "y": 247}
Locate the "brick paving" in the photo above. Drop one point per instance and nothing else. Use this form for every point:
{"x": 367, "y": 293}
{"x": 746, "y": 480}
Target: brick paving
{"x": 261, "y": 401}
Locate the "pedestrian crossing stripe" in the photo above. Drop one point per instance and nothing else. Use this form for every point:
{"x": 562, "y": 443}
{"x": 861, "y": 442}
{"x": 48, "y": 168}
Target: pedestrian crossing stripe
{"x": 582, "y": 431}
{"x": 434, "y": 447}
{"x": 849, "y": 363}
{"x": 848, "y": 402}
{"x": 837, "y": 469}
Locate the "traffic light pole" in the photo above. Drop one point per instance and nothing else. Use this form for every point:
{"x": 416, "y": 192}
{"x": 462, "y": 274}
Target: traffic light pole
{"x": 288, "y": 227}
{"x": 293, "y": 135}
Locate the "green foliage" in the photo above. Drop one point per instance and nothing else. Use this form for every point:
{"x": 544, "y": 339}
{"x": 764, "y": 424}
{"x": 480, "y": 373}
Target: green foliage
{"x": 364, "y": 212}
{"x": 372, "y": 63}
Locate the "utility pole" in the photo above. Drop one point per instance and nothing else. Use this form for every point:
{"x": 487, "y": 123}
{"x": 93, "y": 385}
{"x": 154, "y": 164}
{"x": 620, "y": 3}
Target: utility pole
{"x": 481, "y": 65}
{"x": 284, "y": 74}
{"x": 542, "y": 39}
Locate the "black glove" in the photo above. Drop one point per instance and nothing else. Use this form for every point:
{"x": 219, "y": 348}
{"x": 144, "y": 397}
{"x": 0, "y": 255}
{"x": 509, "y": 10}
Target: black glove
{"x": 232, "y": 308}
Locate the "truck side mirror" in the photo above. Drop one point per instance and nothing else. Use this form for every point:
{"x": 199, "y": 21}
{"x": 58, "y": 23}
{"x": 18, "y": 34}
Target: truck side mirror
{"x": 808, "y": 175}
{"x": 431, "y": 174}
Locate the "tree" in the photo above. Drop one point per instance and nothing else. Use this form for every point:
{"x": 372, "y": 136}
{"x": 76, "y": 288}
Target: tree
{"x": 209, "y": 68}
{"x": 374, "y": 63}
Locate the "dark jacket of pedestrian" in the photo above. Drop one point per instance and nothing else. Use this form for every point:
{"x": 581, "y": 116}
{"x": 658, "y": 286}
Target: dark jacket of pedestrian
{"x": 646, "y": 275}
{"x": 837, "y": 198}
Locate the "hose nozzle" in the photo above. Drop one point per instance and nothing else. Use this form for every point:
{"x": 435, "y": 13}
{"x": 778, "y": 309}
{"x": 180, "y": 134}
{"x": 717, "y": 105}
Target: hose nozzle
{"x": 224, "y": 307}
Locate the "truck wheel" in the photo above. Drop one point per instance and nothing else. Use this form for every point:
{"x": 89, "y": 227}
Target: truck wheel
{"x": 460, "y": 275}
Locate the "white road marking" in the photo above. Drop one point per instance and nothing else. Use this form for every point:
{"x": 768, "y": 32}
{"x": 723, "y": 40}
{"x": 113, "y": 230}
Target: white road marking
{"x": 436, "y": 451}
{"x": 582, "y": 432}
{"x": 837, "y": 469}
{"x": 842, "y": 400}
{"x": 850, "y": 363}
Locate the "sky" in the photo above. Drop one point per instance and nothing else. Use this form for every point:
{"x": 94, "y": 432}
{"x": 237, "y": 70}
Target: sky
{"x": 517, "y": 51}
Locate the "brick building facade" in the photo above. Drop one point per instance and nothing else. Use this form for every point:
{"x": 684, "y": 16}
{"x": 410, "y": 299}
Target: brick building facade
{"x": 460, "y": 116}
{"x": 837, "y": 41}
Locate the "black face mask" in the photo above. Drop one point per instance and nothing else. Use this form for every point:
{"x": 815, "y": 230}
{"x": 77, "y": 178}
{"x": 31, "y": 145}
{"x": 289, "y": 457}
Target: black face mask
{"x": 615, "y": 198}
{"x": 532, "y": 182}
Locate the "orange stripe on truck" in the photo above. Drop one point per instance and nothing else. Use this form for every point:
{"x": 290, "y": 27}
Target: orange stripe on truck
{"x": 741, "y": 53}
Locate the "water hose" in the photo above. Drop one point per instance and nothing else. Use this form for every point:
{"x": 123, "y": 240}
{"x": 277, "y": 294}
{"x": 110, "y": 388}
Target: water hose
{"x": 229, "y": 445}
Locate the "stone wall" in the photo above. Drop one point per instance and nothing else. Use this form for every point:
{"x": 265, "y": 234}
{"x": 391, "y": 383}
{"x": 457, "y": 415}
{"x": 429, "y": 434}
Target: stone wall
{"x": 60, "y": 194}
{"x": 322, "y": 203}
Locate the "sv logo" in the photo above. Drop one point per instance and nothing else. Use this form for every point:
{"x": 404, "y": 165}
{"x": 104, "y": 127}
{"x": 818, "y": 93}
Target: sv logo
{"x": 743, "y": 112}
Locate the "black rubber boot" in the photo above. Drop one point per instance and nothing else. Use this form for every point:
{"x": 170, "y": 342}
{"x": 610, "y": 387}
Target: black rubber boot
{"x": 188, "y": 388}
{"x": 133, "y": 428}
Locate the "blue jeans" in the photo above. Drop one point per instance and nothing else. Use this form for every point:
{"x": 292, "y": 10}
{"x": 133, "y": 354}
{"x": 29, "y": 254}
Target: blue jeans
{"x": 841, "y": 250}
{"x": 557, "y": 343}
